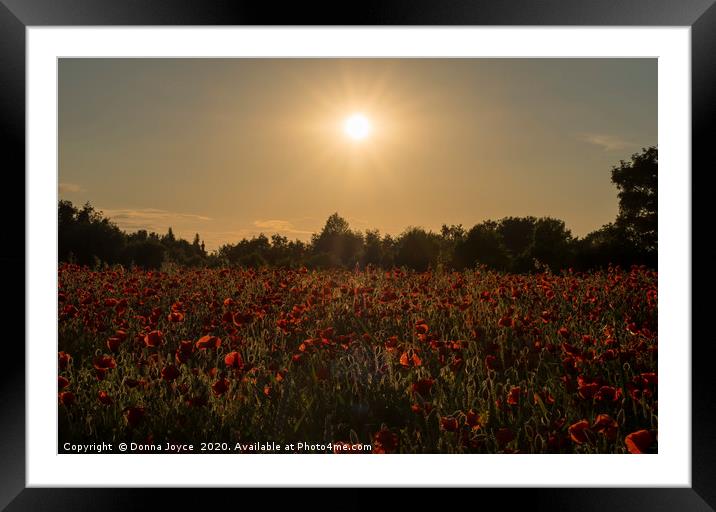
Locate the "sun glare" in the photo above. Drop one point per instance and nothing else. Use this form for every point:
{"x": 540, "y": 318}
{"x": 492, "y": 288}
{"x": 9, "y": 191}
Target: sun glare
{"x": 357, "y": 127}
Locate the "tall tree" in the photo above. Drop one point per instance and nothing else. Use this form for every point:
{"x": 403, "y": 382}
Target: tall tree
{"x": 517, "y": 234}
{"x": 636, "y": 181}
{"x": 338, "y": 242}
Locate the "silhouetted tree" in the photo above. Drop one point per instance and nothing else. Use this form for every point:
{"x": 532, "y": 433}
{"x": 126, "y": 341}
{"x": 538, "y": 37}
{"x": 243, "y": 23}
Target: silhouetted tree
{"x": 553, "y": 243}
{"x": 373, "y": 250}
{"x": 637, "y": 182}
{"x": 147, "y": 253}
{"x": 169, "y": 238}
{"x": 86, "y": 237}
{"x": 517, "y": 236}
{"x": 343, "y": 246}
{"x": 417, "y": 249}
{"x": 482, "y": 245}
{"x": 610, "y": 244}
{"x": 450, "y": 237}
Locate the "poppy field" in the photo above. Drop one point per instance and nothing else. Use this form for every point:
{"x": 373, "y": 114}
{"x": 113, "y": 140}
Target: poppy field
{"x": 396, "y": 361}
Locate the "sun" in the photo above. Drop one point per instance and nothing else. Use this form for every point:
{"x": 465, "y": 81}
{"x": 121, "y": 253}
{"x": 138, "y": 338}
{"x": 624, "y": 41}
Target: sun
{"x": 357, "y": 126}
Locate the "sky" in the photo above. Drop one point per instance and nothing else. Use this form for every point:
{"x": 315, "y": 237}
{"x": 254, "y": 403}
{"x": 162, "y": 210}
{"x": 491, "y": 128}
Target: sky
{"x": 231, "y": 148}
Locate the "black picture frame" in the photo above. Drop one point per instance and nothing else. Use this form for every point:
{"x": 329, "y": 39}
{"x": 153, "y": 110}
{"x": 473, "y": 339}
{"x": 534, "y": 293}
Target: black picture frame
{"x": 16, "y": 15}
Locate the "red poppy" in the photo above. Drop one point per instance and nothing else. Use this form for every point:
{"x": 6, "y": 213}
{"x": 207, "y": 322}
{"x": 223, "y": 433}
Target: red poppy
{"x": 62, "y": 383}
{"x": 176, "y": 316}
{"x": 491, "y": 362}
{"x": 546, "y": 397}
{"x": 206, "y": 342}
{"x": 588, "y": 340}
{"x": 579, "y": 432}
{"x": 571, "y": 350}
{"x": 547, "y": 317}
{"x": 449, "y": 424}
{"x": 608, "y": 394}
{"x": 234, "y": 360}
{"x": 170, "y": 372}
{"x": 154, "y": 339}
{"x": 385, "y": 441}
{"x": 102, "y": 364}
{"x": 240, "y": 319}
{"x": 104, "y": 398}
{"x": 456, "y": 364}
{"x": 564, "y": 332}
{"x": 472, "y": 419}
{"x": 63, "y": 360}
{"x": 410, "y": 358}
{"x": 605, "y": 424}
{"x": 421, "y": 327}
{"x": 513, "y": 397}
{"x": 113, "y": 343}
{"x": 183, "y": 353}
{"x": 391, "y": 344}
{"x": 639, "y": 441}
{"x": 649, "y": 378}
{"x": 506, "y": 321}
{"x": 220, "y": 387}
{"x": 587, "y": 387}
{"x": 67, "y": 398}
{"x": 134, "y": 416}
{"x": 423, "y": 387}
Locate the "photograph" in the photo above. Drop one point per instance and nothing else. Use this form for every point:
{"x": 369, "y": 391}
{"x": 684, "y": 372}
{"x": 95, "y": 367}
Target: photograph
{"x": 357, "y": 256}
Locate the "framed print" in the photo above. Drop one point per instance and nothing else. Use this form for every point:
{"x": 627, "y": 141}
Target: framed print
{"x": 433, "y": 238}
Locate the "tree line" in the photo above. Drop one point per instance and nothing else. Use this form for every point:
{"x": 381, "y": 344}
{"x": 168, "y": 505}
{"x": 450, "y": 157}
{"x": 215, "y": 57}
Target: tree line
{"x": 515, "y": 244}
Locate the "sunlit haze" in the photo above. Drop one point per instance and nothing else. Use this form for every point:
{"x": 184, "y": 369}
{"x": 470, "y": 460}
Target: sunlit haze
{"x": 230, "y": 148}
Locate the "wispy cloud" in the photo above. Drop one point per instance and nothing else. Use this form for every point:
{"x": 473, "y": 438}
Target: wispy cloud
{"x": 152, "y": 219}
{"x": 606, "y": 142}
{"x": 70, "y": 188}
{"x": 185, "y": 225}
{"x": 280, "y": 226}
{"x": 149, "y": 215}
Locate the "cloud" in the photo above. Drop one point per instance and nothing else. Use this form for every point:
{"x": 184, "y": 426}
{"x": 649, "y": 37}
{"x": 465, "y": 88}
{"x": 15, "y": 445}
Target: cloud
{"x": 280, "y": 226}
{"x": 275, "y": 225}
{"x": 606, "y": 142}
{"x": 70, "y": 188}
{"x": 185, "y": 225}
{"x": 151, "y": 213}
{"x": 152, "y": 219}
